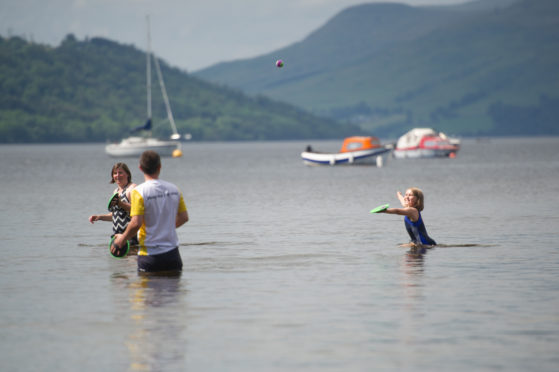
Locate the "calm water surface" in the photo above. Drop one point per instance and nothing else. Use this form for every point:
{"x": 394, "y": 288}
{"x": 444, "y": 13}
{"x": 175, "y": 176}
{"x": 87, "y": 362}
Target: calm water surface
{"x": 285, "y": 269}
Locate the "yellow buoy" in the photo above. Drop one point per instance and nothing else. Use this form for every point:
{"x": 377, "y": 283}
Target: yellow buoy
{"x": 177, "y": 153}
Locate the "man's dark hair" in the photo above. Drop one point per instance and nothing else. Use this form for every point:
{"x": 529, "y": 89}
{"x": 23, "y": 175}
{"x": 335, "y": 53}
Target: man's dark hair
{"x": 150, "y": 162}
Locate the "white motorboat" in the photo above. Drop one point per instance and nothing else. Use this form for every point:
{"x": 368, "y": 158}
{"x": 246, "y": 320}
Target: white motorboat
{"x": 426, "y": 143}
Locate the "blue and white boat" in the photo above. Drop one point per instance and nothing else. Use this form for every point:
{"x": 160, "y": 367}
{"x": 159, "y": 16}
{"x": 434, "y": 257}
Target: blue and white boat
{"x": 355, "y": 150}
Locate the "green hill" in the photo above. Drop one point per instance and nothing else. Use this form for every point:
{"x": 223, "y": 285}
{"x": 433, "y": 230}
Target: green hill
{"x": 94, "y": 90}
{"x": 483, "y": 68}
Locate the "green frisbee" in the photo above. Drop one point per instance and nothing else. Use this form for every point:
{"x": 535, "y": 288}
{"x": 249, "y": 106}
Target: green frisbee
{"x": 120, "y": 252}
{"x": 113, "y": 201}
{"x": 380, "y": 208}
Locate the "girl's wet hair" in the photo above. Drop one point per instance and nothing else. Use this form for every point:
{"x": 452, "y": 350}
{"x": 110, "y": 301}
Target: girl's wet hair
{"x": 420, "y": 199}
{"x": 124, "y": 168}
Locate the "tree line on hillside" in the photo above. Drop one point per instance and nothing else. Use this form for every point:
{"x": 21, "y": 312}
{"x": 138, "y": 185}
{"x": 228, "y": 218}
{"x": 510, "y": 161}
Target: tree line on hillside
{"x": 95, "y": 90}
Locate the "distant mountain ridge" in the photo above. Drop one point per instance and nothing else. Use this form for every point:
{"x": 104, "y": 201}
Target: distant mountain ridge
{"x": 481, "y": 68}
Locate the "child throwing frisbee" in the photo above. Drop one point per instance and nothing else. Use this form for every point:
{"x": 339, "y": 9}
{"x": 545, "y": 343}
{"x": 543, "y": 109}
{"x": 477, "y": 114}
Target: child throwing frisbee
{"x": 412, "y": 205}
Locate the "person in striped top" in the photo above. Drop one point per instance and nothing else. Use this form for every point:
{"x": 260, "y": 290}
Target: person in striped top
{"x": 119, "y": 214}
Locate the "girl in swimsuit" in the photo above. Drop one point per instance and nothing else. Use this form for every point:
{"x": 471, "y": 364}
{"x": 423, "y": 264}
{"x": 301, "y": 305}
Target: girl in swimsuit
{"x": 120, "y": 213}
{"x": 412, "y": 205}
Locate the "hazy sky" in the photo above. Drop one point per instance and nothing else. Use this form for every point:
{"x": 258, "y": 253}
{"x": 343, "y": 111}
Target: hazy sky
{"x": 189, "y": 34}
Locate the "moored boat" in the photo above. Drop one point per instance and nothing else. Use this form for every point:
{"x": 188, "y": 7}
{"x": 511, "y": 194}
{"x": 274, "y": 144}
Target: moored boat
{"x": 425, "y": 143}
{"x": 354, "y": 150}
{"x": 136, "y": 145}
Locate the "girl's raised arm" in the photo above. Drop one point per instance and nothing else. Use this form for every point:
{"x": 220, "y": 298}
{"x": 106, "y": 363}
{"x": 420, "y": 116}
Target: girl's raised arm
{"x": 401, "y": 199}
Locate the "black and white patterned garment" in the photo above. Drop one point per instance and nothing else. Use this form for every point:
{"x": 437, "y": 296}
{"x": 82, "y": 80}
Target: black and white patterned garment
{"x": 120, "y": 216}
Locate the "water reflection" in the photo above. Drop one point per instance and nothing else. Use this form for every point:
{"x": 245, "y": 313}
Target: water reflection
{"x": 413, "y": 265}
{"x": 156, "y": 339}
{"x": 412, "y": 268}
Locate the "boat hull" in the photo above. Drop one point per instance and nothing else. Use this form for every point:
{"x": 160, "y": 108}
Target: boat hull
{"x": 375, "y": 156}
{"x": 423, "y": 153}
{"x": 135, "y": 146}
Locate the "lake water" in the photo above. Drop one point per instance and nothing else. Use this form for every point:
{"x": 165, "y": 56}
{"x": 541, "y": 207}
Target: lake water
{"x": 284, "y": 267}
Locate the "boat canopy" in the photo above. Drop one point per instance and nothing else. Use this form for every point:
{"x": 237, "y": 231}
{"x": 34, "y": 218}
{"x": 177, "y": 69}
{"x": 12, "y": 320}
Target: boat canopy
{"x": 360, "y": 143}
{"x": 413, "y": 137}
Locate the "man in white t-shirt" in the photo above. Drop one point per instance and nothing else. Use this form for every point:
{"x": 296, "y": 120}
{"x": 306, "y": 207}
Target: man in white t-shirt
{"x": 157, "y": 209}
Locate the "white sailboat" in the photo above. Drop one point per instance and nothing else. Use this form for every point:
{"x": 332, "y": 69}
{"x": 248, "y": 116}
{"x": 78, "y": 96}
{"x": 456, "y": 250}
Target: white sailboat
{"x": 136, "y": 145}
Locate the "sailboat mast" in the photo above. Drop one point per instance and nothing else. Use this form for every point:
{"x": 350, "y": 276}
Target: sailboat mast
{"x": 148, "y": 70}
{"x": 176, "y": 134}
{"x": 170, "y": 117}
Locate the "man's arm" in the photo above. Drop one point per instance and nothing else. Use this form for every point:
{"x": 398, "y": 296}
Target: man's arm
{"x": 131, "y": 230}
{"x": 182, "y": 218}
{"x": 182, "y": 213}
